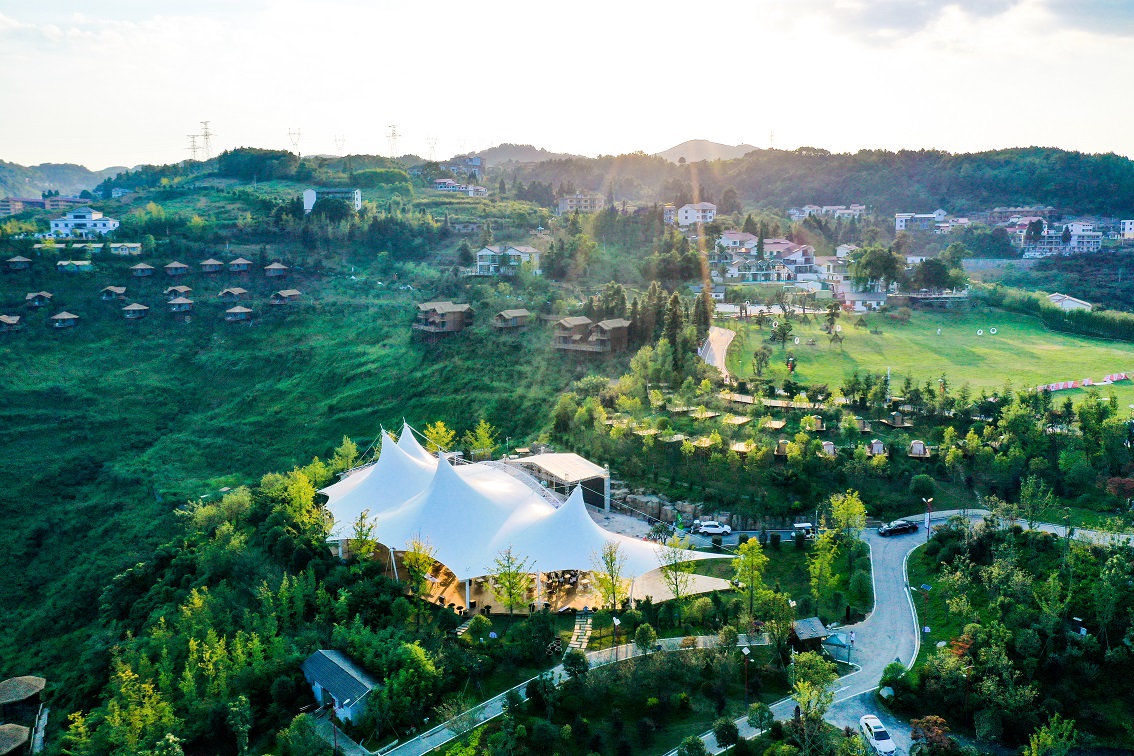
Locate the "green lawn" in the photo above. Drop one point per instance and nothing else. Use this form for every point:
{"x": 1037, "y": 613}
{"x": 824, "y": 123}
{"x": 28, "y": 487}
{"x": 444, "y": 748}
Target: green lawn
{"x": 931, "y": 609}
{"x": 1022, "y": 351}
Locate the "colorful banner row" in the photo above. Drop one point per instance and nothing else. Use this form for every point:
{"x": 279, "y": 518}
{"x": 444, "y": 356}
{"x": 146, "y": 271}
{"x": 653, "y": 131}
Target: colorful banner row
{"x": 1106, "y": 381}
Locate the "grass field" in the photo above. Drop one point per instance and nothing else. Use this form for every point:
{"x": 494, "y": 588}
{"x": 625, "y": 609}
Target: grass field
{"x": 1022, "y": 351}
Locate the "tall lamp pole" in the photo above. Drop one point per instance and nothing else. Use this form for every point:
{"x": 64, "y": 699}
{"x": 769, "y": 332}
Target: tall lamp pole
{"x": 928, "y": 516}
{"x": 746, "y": 652}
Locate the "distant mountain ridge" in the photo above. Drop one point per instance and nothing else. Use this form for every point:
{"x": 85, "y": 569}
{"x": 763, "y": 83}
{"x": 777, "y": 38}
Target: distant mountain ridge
{"x": 519, "y": 153}
{"x": 696, "y": 150}
{"x": 68, "y": 178}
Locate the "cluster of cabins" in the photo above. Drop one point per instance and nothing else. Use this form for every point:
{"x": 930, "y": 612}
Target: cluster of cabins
{"x": 571, "y": 334}
{"x": 814, "y": 424}
{"x": 178, "y": 300}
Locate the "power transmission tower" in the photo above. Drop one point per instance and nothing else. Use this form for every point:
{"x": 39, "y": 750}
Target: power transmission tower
{"x": 392, "y": 136}
{"x": 193, "y": 148}
{"x": 339, "y": 142}
{"x": 207, "y": 136}
{"x": 771, "y": 140}
{"x": 294, "y": 137}
{"x": 432, "y": 142}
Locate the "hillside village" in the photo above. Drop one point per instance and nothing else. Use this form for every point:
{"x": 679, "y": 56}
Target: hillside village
{"x": 526, "y": 369}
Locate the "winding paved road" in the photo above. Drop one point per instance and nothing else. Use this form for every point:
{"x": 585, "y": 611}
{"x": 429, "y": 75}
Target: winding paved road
{"x": 715, "y": 348}
{"x": 890, "y": 632}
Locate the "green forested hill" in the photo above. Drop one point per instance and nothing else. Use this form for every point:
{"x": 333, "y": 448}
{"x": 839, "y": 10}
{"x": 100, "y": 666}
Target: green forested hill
{"x": 888, "y": 181}
{"x": 109, "y": 428}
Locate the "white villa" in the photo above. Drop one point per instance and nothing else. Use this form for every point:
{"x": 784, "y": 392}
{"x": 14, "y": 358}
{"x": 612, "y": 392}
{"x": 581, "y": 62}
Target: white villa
{"x": 82, "y": 223}
{"x": 697, "y": 212}
{"x": 503, "y": 260}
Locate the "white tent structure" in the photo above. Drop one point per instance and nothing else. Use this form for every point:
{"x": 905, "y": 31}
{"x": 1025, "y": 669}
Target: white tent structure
{"x": 469, "y": 513}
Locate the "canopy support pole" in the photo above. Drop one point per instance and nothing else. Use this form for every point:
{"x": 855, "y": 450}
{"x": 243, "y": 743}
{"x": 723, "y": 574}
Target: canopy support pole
{"x": 468, "y": 594}
{"x": 606, "y": 490}
{"x": 394, "y": 563}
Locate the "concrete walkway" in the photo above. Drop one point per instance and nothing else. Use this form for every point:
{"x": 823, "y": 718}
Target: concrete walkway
{"x": 494, "y": 707}
{"x": 715, "y": 348}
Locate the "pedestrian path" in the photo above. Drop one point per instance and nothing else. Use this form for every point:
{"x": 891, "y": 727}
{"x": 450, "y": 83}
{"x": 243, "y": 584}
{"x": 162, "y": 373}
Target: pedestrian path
{"x": 492, "y": 708}
{"x": 464, "y": 627}
{"x": 582, "y": 633}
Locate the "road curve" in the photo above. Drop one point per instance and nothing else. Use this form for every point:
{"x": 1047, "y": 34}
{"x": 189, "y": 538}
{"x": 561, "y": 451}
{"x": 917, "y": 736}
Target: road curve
{"x": 715, "y": 348}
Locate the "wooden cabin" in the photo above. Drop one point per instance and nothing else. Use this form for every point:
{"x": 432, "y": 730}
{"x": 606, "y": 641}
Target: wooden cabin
{"x": 437, "y": 319}
{"x": 275, "y": 270}
{"x": 142, "y": 269}
{"x": 38, "y": 299}
{"x": 285, "y": 297}
{"x": 135, "y": 311}
{"x": 829, "y": 449}
{"x": 580, "y": 334}
{"x": 919, "y": 450}
{"x": 814, "y": 423}
{"x": 74, "y": 266}
{"x": 571, "y": 331}
{"x": 176, "y": 269}
{"x": 862, "y": 425}
{"x": 10, "y": 323}
{"x": 178, "y": 291}
{"x": 234, "y": 294}
{"x": 125, "y": 249}
{"x": 64, "y": 320}
{"x": 19, "y": 262}
{"x": 212, "y": 266}
{"x": 876, "y": 449}
{"x": 239, "y": 265}
{"x": 781, "y": 448}
{"x": 897, "y": 420}
{"x": 237, "y": 313}
{"x": 611, "y": 335}
{"x": 511, "y": 320}
{"x": 180, "y": 304}
{"x": 111, "y": 293}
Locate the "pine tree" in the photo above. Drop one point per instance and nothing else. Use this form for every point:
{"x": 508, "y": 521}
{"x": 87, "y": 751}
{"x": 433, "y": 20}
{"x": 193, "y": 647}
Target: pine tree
{"x": 674, "y": 326}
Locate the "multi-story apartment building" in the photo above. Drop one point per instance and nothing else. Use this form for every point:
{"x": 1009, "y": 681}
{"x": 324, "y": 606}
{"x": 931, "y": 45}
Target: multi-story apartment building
{"x": 583, "y": 203}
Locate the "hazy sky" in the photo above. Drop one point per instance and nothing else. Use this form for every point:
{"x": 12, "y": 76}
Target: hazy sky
{"x": 124, "y": 81}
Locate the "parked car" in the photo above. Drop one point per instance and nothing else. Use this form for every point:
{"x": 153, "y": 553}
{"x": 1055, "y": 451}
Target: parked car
{"x": 876, "y": 736}
{"x": 711, "y": 527}
{"x": 897, "y": 527}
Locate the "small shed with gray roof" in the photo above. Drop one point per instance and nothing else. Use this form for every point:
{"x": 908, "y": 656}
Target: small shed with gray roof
{"x": 339, "y": 682}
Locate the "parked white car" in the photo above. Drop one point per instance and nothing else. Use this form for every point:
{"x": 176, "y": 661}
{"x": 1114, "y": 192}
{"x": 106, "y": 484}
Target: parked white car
{"x": 711, "y": 527}
{"x": 876, "y": 736}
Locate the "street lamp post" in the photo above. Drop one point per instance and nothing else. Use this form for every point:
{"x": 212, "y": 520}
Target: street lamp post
{"x": 746, "y": 652}
{"x": 928, "y": 516}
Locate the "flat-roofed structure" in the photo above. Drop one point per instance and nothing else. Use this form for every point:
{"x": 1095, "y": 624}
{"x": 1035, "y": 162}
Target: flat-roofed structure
{"x": 562, "y": 471}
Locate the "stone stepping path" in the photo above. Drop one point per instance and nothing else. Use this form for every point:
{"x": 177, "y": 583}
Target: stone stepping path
{"x": 463, "y": 628}
{"x": 582, "y": 634}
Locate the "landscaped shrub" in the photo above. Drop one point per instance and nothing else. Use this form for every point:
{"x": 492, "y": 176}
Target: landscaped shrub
{"x": 776, "y": 538}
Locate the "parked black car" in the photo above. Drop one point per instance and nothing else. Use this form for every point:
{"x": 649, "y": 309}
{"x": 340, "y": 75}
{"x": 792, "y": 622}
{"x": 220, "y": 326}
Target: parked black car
{"x": 897, "y": 527}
